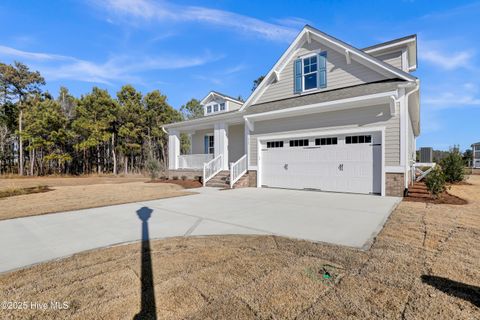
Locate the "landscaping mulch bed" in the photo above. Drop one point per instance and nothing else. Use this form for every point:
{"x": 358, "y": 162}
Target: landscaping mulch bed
{"x": 444, "y": 198}
{"x": 187, "y": 184}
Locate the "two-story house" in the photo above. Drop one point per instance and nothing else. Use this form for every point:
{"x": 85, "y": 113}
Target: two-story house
{"x": 327, "y": 117}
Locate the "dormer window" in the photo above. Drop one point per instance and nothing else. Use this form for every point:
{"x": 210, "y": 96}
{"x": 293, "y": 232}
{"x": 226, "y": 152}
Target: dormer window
{"x": 214, "y": 107}
{"x": 310, "y": 72}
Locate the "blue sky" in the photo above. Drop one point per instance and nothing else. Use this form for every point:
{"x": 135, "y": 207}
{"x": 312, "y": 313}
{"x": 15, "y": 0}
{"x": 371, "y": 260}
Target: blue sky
{"x": 185, "y": 48}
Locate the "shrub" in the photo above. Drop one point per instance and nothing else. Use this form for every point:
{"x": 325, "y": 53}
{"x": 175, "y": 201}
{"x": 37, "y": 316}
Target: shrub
{"x": 184, "y": 178}
{"x": 175, "y": 177}
{"x": 453, "y": 167}
{"x": 435, "y": 181}
{"x": 153, "y": 167}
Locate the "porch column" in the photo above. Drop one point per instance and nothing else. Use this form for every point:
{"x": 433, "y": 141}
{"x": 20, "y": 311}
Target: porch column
{"x": 221, "y": 142}
{"x": 173, "y": 149}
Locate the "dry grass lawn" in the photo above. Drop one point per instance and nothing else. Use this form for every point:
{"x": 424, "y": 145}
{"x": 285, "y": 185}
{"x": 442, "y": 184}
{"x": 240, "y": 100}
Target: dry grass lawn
{"x": 423, "y": 265}
{"x": 72, "y": 193}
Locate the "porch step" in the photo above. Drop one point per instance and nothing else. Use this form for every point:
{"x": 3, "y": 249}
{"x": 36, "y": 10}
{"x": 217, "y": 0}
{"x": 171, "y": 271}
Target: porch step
{"x": 222, "y": 180}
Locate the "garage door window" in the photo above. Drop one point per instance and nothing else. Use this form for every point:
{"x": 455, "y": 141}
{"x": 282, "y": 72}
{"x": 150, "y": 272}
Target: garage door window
{"x": 326, "y": 141}
{"x": 358, "y": 139}
{"x": 275, "y": 144}
{"x": 299, "y": 143}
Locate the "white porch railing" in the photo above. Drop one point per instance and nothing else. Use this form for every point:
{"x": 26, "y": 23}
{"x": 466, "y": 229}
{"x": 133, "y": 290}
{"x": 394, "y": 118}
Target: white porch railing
{"x": 237, "y": 170}
{"x": 193, "y": 161}
{"x": 211, "y": 168}
{"x": 418, "y": 174}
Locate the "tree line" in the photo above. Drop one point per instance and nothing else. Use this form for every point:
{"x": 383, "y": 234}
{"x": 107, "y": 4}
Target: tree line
{"x": 95, "y": 133}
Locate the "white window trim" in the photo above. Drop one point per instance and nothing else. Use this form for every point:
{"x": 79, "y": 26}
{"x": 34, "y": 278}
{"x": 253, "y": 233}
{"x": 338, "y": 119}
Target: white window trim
{"x": 213, "y": 136}
{"x": 315, "y": 54}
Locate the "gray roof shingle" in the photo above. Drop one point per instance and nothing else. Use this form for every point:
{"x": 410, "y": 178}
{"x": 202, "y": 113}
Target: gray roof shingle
{"x": 331, "y": 95}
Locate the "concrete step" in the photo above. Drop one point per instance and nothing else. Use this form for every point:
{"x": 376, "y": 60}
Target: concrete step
{"x": 218, "y": 185}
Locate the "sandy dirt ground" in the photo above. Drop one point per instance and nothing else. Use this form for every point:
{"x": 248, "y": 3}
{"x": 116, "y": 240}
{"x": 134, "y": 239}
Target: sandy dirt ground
{"x": 80, "y": 193}
{"x": 423, "y": 265}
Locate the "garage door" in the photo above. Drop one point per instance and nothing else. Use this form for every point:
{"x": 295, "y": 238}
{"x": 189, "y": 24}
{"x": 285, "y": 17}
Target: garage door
{"x": 339, "y": 163}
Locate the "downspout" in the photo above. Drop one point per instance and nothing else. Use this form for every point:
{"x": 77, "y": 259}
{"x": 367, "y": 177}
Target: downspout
{"x": 416, "y": 86}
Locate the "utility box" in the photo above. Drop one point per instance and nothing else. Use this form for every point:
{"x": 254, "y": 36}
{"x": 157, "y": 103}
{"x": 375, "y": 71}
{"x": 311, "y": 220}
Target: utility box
{"x": 426, "y": 155}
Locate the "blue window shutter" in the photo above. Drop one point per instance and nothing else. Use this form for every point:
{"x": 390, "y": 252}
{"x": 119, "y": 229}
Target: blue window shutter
{"x": 205, "y": 144}
{"x": 322, "y": 70}
{"x": 297, "y": 72}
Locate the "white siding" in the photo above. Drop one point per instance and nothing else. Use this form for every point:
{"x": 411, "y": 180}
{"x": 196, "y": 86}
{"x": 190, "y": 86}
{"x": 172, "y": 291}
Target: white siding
{"x": 233, "y": 105}
{"x": 236, "y": 142}
{"x": 363, "y": 117}
{"x": 339, "y": 74}
{"x": 393, "y": 58}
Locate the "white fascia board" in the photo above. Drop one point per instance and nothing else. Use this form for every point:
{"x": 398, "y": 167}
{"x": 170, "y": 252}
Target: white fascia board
{"x": 342, "y": 104}
{"x": 287, "y": 54}
{"x": 366, "y": 57}
{"x": 213, "y": 93}
{"x": 390, "y": 46}
{"x": 204, "y": 100}
{"x": 197, "y": 124}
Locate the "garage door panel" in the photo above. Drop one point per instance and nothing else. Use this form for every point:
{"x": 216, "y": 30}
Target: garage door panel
{"x": 340, "y": 167}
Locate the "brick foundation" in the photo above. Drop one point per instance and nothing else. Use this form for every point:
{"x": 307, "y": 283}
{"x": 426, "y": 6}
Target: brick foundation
{"x": 394, "y": 184}
{"x": 252, "y": 178}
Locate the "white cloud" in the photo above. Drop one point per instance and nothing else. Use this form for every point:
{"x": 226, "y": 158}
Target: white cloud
{"x": 449, "y": 62}
{"x": 162, "y": 11}
{"x": 37, "y": 56}
{"x": 118, "y": 68}
{"x": 445, "y": 59}
{"x": 452, "y": 99}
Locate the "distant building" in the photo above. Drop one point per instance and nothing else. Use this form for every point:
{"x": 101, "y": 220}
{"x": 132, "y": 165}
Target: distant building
{"x": 426, "y": 155}
{"x": 476, "y": 155}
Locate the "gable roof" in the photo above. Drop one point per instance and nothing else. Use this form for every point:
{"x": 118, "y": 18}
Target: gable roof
{"x": 409, "y": 42}
{"x": 306, "y": 35}
{"x": 388, "y": 43}
{"x": 221, "y": 95}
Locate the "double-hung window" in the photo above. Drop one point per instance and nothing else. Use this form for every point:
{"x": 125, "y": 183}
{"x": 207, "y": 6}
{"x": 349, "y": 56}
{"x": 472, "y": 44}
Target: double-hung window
{"x": 209, "y": 109}
{"x": 209, "y": 144}
{"x": 222, "y": 106}
{"x": 310, "y": 72}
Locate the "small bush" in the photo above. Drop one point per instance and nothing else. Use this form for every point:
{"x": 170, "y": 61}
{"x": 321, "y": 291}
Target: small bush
{"x": 198, "y": 178}
{"x": 435, "y": 181}
{"x": 153, "y": 167}
{"x": 184, "y": 178}
{"x": 175, "y": 177}
{"x": 453, "y": 167}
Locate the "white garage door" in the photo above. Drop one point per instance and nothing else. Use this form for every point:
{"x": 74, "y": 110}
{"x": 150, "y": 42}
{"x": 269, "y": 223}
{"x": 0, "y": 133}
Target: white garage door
{"x": 340, "y": 163}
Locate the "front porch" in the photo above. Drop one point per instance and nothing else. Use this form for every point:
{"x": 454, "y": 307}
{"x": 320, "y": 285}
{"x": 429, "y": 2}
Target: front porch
{"x": 213, "y": 147}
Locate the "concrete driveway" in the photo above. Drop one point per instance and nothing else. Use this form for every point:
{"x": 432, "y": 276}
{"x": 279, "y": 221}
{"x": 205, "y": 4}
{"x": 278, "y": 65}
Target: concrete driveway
{"x": 344, "y": 219}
